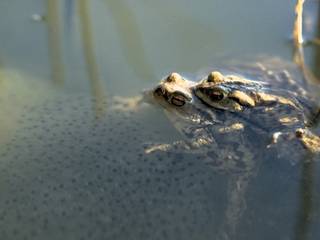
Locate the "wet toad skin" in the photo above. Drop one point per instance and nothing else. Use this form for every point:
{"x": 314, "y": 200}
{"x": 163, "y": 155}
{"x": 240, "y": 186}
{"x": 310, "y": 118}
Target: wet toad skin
{"x": 232, "y": 123}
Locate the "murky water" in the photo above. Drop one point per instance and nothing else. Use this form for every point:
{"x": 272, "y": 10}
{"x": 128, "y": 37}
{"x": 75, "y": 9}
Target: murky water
{"x": 73, "y": 167}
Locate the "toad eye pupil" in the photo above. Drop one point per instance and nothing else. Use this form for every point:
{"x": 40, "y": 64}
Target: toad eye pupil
{"x": 216, "y": 96}
{"x": 178, "y": 101}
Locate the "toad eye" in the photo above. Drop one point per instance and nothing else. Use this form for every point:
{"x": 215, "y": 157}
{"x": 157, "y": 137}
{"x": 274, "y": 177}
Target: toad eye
{"x": 178, "y": 100}
{"x": 216, "y": 95}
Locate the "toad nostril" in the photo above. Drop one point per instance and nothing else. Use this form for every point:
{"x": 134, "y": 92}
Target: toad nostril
{"x": 158, "y": 91}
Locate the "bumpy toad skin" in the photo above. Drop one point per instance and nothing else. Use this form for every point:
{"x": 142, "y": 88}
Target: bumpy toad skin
{"x": 220, "y": 101}
{"x": 234, "y": 93}
{"x": 232, "y": 123}
{"x": 219, "y": 146}
{"x": 173, "y": 90}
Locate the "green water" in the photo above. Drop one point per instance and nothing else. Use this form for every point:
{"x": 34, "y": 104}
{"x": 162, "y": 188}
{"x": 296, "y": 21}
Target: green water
{"x": 71, "y": 168}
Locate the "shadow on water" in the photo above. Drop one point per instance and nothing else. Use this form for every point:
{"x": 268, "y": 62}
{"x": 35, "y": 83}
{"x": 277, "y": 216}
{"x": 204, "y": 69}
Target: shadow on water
{"x": 55, "y": 46}
{"x": 306, "y": 204}
{"x": 130, "y": 36}
{"x": 306, "y": 207}
{"x": 91, "y": 63}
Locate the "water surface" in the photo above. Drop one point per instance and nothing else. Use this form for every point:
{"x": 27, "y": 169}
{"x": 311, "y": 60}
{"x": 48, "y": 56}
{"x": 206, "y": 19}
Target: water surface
{"x": 71, "y": 167}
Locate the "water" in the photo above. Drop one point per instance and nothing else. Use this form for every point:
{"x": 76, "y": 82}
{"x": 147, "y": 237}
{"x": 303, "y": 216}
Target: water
{"x": 72, "y": 167}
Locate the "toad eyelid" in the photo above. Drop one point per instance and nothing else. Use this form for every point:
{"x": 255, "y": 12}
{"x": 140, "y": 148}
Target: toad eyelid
{"x": 178, "y": 93}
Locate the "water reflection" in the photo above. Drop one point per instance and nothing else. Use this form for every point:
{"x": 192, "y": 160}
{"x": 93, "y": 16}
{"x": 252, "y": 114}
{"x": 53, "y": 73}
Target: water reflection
{"x": 299, "y": 52}
{"x": 69, "y": 7}
{"x": 305, "y": 209}
{"x": 130, "y": 36}
{"x": 316, "y": 64}
{"x": 132, "y": 46}
{"x": 54, "y": 37}
{"x": 91, "y": 63}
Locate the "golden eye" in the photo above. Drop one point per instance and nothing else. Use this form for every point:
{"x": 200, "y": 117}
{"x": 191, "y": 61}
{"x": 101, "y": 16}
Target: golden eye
{"x": 178, "y": 100}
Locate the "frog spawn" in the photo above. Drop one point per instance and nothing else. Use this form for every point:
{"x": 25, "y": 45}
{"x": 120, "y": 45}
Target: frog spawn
{"x": 77, "y": 177}
{"x": 66, "y": 174}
